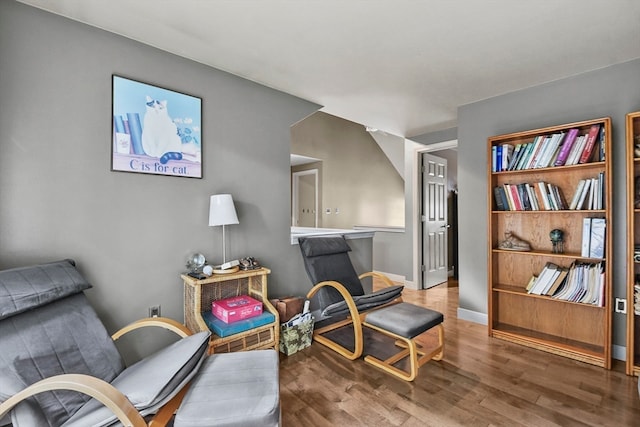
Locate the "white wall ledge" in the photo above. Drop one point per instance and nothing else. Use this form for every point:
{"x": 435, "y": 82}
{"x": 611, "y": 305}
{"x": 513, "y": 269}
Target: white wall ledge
{"x": 310, "y": 231}
{"x": 381, "y": 228}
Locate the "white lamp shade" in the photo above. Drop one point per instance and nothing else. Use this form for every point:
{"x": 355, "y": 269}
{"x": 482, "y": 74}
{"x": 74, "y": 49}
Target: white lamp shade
{"x": 222, "y": 211}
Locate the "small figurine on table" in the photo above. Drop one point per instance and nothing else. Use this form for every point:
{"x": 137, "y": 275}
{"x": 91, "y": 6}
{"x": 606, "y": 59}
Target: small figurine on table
{"x": 512, "y": 243}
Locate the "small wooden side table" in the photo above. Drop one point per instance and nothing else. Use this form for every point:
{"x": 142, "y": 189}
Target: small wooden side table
{"x": 199, "y": 294}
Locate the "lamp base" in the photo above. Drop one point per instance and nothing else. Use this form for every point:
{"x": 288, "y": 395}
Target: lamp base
{"x": 217, "y": 270}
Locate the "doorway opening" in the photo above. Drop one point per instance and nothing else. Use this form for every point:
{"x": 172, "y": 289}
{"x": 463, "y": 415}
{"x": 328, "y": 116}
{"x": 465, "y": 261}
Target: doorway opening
{"x": 304, "y": 206}
{"x": 423, "y": 255}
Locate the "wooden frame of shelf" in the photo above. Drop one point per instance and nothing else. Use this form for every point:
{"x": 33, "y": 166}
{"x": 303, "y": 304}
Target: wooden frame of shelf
{"x": 633, "y": 238}
{"x": 576, "y": 330}
{"x": 199, "y": 294}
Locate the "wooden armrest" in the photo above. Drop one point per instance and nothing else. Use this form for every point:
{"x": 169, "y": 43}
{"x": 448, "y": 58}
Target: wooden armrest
{"x": 356, "y": 321}
{"x": 383, "y": 277}
{"x": 353, "y": 310}
{"x": 162, "y": 322}
{"x": 104, "y": 392}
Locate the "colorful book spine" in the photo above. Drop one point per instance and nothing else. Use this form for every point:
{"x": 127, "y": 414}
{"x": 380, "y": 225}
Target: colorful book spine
{"x": 586, "y": 237}
{"x": 514, "y": 157}
{"x": 223, "y": 329}
{"x": 596, "y": 244}
{"x": 574, "y": 154}
{"x": 539, "y": 140}
{"x": 566, "y": 147}
{"x": 497, "y": 193}
{"x": 592, "y": 136}
{"x": 517, "y": 204}
{"x": 551, "y": 150}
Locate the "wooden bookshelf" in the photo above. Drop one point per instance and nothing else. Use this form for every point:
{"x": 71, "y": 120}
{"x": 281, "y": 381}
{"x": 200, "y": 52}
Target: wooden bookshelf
{"x": 578, "y": 330}
{"x": 633, "y": 239}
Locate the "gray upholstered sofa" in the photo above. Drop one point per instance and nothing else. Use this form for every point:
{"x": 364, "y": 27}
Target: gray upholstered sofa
{"x": 60, "y": 367}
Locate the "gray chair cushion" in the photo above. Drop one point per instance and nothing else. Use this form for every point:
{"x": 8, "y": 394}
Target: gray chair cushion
{"x": 327, "y": 258}
{"x": 404, "y": 319}
{"x": 65, "y": 336}
{"x": 323, "y": 245}
{"x": 25, "y": 288}
{"x": 151, "y": 382}
{"x": 365, "y": 302}
{"x": 233, "y": 390}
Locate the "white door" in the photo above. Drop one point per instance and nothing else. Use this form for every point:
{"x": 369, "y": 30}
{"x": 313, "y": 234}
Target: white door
{"x": 434, "y": 220}
{"x": 305, "y": 198}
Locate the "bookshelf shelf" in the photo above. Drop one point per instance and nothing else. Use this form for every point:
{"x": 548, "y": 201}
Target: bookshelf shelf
{"x": 579, "y": 330}
{"x": 571, "y": 255}
{"x": 591, "y": 165}
{"x": 587, "y": 211}
{"x": 556, "y": 344}
{"x": 633, "y": 227}
{"x": 514, "y": 290}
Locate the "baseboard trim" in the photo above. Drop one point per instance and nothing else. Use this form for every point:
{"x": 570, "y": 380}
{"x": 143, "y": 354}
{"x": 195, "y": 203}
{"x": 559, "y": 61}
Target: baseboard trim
{"x": 399, "y": 279}
{"x": 619, "y": 352}
{"x": 473, "y": 316}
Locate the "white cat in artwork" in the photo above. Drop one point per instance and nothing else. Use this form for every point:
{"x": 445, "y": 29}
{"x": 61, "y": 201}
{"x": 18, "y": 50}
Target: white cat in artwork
{"x": 159, "y": 134}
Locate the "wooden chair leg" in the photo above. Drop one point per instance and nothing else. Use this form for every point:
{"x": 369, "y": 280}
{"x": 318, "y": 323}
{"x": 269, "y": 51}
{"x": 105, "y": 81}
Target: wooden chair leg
{"x": 318, "y": 336}
{"x": 355, "y": 319}
{"x": 410, "y": 349}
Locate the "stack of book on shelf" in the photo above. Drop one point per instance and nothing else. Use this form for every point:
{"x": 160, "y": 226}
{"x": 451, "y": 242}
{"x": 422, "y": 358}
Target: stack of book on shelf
{"x": 593, "y": 237}
{"x": 589, "y": 194}
{"x": 236, "y": 314}
{"x": 548, "y": 281}
{"x": 558, "y": 149}
{"x": 584, "y": 284}
{"x": 529, "y": 197}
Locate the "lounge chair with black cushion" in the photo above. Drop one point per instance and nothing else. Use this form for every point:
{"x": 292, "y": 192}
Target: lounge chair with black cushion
{"x": 341, "y": 301}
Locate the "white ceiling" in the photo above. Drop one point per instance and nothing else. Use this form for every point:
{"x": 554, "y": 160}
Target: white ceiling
{"x": 401, "y": 66}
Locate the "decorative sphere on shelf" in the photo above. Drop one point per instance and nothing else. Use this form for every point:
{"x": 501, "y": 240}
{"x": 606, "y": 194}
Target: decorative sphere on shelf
{"x": 556, "y": 235}
{"x": 557, "y": 239}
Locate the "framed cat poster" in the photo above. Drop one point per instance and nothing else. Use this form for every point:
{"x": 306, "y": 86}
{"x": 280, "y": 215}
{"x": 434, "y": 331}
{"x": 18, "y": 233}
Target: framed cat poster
{"x": 155, "y": 130}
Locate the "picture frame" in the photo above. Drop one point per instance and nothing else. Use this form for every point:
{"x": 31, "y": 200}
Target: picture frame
{"x": 155, "y": 130}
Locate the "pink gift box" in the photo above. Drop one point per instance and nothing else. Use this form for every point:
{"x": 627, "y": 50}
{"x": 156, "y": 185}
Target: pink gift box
{"x": 236, "y": 308}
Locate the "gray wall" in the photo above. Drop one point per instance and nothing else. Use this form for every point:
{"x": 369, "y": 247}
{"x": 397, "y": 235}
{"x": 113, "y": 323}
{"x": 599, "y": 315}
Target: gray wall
{"x": 374, "y": 191}
{"x": 131, "y": 233}
{"x": 437, "y": 136}
{"x": 609, "y": 92}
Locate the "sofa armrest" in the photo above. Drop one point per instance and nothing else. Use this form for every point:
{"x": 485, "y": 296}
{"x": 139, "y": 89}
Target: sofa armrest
{"x": 102, "y": 391}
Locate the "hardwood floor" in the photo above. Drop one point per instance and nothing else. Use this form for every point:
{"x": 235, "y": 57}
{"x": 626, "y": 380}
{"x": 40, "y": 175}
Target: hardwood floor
{"x": 481, "y": 381}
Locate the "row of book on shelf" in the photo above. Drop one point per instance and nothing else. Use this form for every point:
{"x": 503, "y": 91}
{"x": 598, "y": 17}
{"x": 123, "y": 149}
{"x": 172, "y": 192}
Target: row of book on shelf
{"x": 558, "y": 149}
{"x": 589, "y": 194}
{"x": 581, "y": 282}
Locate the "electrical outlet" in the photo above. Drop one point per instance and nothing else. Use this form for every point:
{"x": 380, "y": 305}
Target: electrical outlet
{"x": 621, "y": 305}
{"x": 154, "y": 311}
